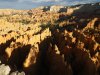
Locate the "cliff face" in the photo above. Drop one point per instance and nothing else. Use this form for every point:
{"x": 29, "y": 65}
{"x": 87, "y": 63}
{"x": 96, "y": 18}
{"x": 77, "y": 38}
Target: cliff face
{"x": 54, "y": 40}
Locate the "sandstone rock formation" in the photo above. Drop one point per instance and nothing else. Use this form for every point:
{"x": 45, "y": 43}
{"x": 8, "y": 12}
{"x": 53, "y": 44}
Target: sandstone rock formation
{"x": 55, "y": 40}
{"x": 58, "y": 9}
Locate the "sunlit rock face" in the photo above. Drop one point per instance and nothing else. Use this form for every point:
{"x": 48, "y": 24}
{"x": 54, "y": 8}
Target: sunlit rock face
{"x": 58, "y": 9}
{"x": 50, "y": 40}
{"x": 71, "y": 10}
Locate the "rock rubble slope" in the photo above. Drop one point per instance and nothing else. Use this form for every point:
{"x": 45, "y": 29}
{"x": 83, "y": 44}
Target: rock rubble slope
{"x": 54, "y": 40}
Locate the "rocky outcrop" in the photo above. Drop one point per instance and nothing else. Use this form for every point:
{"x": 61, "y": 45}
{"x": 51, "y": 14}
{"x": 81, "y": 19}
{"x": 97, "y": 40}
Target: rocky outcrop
{"x": 71, "y": 10}
{"x": 58, "y": 9}
{"x": 44, "y": 8}
{"x": 17, "y": 73}
{"x": 50, "y": 41}
{"x": 4, "y": 70}
{"x": 88, "y": 9}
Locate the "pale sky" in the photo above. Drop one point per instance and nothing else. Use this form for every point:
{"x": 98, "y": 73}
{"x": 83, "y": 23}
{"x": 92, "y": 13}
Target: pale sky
{"x": 29, "y": 4}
